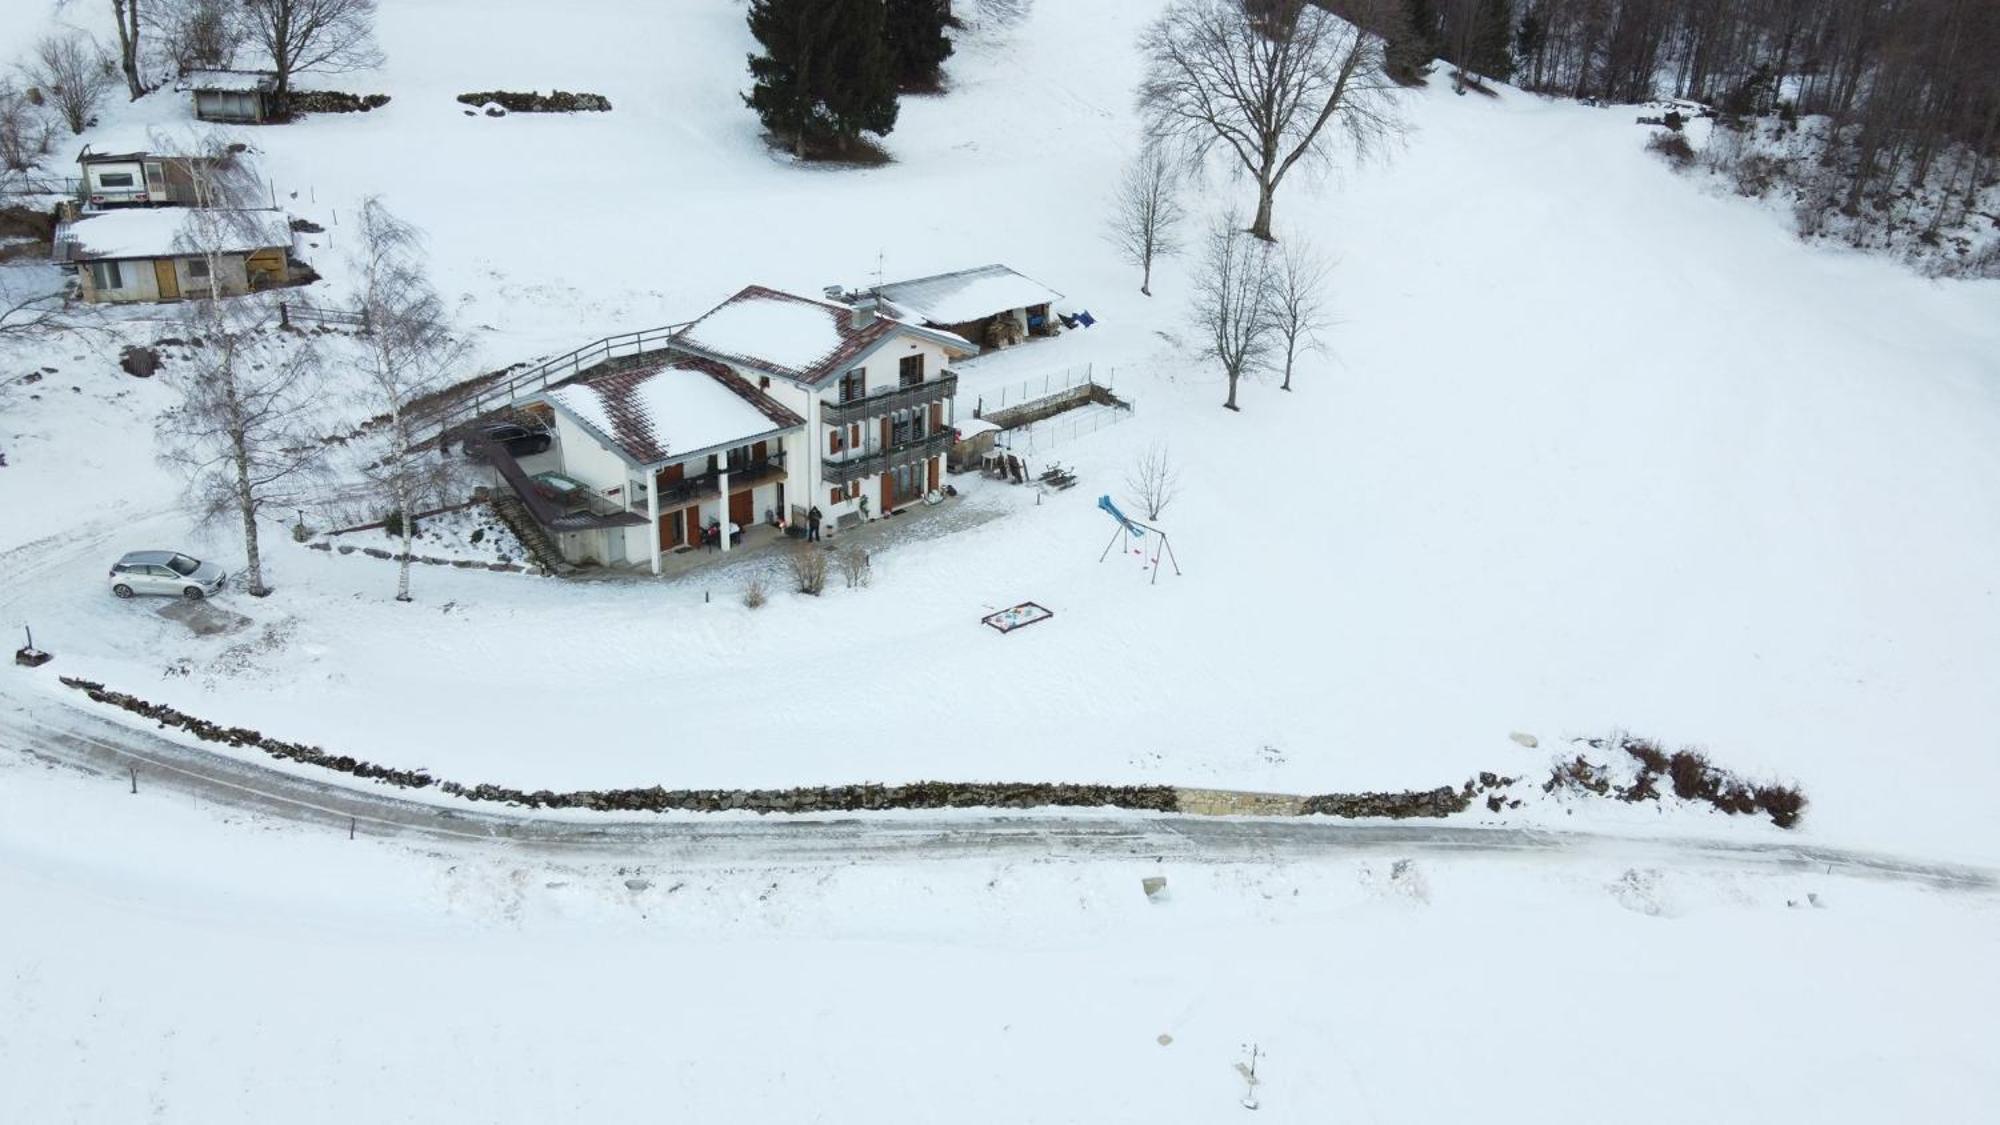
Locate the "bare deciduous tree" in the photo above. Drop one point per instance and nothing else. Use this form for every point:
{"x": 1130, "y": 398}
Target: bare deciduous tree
{"x": 411, "y": 353}
{"x": 197, "y": 34}
{"x": 74, "y": 74}
{"x": 1153, "y": 481}
{"x": 1263, "y": 80}
{"x": 23, "y": 315}
{"x": 1146, "y": 215}
{"x": 125, "y": 15}
{"x": 1232, "y": 302}
{"x": 25, "y": 132}
{"x": 1298, "y": 302}
{"x": 302, "y": 35}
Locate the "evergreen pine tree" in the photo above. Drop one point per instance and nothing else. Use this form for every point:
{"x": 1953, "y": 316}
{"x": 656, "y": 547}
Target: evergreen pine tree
{"x": 917, "y": 41}
{"x": 825, "y": 76}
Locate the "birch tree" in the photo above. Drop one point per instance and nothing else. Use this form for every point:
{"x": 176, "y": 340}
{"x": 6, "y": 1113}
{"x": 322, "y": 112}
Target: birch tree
{"x": 410, "y": 353}
{"x": 241, "y": 426}
{"x": 1297, "y": 302}
{"x": 1232, "y": 303}
{"x": 1146, "y": 214}
{"x": 1265, "y": 81}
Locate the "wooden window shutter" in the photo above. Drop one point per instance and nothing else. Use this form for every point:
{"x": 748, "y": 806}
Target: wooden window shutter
{"x": 937, "y": 416}
{"x": 833, "y": 495}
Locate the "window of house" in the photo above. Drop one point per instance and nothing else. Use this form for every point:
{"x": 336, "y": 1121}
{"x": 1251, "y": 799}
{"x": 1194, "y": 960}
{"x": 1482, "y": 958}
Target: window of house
{"x": 853, "y": 489}
{"x": 853, "y": 385}
{"x": 739, "y": 457}
{"x": 911, "y": 371}
{"x": 908, "y": 427}
{"x": 836, "y": 440}
{"x": 115, "y": 179}
{"x": 198, "y": 268}
{"x": 106, "y": 275}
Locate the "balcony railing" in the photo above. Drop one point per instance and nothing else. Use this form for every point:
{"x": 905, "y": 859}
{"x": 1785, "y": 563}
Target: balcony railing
{"x": 708, "y": 485}
{"x": 886, "y": 460}
{"x": 889, "y": 400}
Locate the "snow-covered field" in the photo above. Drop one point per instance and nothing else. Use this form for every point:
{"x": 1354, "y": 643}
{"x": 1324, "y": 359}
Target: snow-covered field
{"x": 1592, "y": 449}
{"x": 184, "y": 968}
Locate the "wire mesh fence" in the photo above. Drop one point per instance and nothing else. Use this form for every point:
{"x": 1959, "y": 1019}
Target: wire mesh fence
{"x": 989, "y": 400}
{"x": 1036, "y": 437}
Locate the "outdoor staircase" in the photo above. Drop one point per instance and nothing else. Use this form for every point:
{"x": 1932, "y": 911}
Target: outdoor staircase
{"x": 541, "y": 549}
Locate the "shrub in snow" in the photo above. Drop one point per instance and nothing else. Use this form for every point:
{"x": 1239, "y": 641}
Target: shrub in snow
{"x": 808, "y": 567}
{"x": 855, "y": 566}
{"x": 1674, "y": 147}
{"x": 754, "y": 594}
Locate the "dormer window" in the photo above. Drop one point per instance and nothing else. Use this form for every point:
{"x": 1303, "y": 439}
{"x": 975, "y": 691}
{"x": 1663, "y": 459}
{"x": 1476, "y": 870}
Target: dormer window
{"x": 853, "y": 385}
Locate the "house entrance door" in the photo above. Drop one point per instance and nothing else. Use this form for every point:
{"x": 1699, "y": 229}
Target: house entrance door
{"x": 741, "y": 509}
{"x": 170, "y": 282}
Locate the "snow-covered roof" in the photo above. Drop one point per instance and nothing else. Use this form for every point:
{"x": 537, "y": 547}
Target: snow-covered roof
{"x": 795, "y": 337}
{"x": 966, "y": 295}
{"x": 673, "y": 407}
{"x": 969, "y": 428}
{"x": 166, "y": 232}
{"x": 236, "y": 81}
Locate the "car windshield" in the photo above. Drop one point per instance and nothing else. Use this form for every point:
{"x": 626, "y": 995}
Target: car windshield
{"x": 183, "y": 565}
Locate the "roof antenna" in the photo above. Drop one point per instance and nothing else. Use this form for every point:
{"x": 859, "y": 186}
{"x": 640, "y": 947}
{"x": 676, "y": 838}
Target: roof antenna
{"x": 878, "y": 271}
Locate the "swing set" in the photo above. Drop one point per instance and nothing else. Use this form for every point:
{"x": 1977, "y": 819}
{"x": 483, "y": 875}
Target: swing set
{"x": 1129, "y": 526}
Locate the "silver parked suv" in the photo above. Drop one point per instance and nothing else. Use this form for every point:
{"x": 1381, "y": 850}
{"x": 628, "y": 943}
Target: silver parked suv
{"x": 165, "y": 572}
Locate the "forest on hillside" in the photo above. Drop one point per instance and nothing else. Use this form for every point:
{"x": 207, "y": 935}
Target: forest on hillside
{"x": 1904, "y": 94}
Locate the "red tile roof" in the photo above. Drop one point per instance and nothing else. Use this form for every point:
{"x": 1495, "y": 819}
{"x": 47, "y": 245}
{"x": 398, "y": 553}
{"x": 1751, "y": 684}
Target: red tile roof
{"x": 636, "y": 432}
{"x": 852, "y": 340}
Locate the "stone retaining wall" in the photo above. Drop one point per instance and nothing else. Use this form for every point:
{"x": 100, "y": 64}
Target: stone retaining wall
{"x": 825, "y": 798}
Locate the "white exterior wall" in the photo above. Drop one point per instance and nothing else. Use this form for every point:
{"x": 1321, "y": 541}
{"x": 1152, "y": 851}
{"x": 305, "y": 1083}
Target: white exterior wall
{"x": 585, "y": 459}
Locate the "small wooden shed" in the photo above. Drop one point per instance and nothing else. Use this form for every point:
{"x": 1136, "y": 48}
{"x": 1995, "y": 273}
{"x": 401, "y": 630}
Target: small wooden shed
{"x": 235, "y": 97}
{"x": 138, "y": 254}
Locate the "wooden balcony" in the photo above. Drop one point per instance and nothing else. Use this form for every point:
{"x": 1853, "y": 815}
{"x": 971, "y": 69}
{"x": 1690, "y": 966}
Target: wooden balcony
{"x": 885, "y": 460}
{"x": 890, "y": 399}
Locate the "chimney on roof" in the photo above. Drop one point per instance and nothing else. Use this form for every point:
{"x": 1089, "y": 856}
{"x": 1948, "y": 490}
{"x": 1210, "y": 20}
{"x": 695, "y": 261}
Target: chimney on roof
{"x": 833, "y": 292}
{"x": 863, "y": 313}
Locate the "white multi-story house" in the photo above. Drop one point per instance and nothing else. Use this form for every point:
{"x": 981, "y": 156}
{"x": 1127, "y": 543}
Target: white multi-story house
{"x": 764, "y": 408}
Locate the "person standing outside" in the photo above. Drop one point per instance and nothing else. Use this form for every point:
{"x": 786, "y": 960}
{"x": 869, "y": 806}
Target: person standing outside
{"x": 812, "y": 525}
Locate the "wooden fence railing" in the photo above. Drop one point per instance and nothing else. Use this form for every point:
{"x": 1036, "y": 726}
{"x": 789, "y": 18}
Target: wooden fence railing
{"x": 481, "y": 397}
{"x": 296, "y": 312}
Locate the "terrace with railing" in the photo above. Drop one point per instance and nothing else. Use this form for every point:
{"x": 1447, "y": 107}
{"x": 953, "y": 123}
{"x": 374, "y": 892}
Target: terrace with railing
{"x": 888, "y": 400}
{"x": 850, "y": 468}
